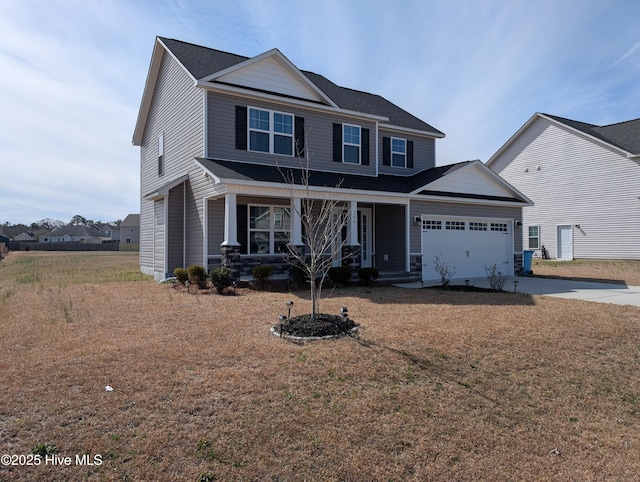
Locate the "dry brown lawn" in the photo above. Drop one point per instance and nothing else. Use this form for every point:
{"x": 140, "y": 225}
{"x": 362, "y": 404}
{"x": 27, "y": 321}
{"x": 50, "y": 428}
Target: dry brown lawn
{"x": 439, "y": 386}
{"x": 610, "y": 271}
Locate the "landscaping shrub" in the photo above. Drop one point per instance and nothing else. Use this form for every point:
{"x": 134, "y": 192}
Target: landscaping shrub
{"x": 181, "y": 274}
{"x": 221, "y": 279}
{"x": 495, "y": 277}
{"x": 262, "y": 273}
{"x": 368, "y": 274}
{"x": 197, "y": 275}
{"x": 340, "y": 275}
{"x": 445, "y": 272}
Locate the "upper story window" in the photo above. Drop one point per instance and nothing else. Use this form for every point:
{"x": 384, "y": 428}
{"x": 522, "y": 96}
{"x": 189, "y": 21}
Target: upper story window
{"x": 351, "y": 143}
{"x": 270, "y": 132}
{"x": 398, "y": 152}
{"x": 161, "y": 155}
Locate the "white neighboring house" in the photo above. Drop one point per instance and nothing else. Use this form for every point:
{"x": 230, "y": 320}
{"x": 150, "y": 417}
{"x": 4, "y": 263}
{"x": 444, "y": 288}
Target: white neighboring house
{"x": 585, "y": 182}
{"x": 84, "y": 234}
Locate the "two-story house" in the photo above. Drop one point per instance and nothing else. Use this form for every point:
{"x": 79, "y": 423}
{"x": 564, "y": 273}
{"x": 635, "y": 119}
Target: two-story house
{"x": 583, "y": 179}
{"x": 216, "y": 130}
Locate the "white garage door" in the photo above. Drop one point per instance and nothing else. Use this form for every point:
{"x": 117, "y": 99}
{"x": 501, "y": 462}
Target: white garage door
{"x": 466, "y": 244}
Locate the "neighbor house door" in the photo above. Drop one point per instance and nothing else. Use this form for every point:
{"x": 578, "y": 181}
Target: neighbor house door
{"x": 565, "y": 242}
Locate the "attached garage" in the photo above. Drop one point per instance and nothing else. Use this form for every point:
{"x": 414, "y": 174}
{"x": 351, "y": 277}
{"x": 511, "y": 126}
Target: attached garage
{"x": 466, "y": 244}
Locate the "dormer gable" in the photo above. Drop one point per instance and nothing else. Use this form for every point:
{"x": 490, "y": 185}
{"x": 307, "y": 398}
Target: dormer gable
{"x": 271, "y": 72}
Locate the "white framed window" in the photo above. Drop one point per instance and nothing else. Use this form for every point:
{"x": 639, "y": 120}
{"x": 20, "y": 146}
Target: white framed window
{"x": 534, "y": 237}
{"x": 161, "y": 154}
{"x": 398, "y": 152}
{"x": 269, "y": 229}
{"x": 270, "y": 131}
{"x": 351, "y": 143}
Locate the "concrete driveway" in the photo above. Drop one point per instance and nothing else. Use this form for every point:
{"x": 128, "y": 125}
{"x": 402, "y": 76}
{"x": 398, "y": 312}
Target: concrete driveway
{"x": 618, "y": 294}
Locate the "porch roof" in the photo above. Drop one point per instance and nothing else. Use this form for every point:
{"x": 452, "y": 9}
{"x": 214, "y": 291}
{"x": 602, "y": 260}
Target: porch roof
{"x": 229, "y": 171}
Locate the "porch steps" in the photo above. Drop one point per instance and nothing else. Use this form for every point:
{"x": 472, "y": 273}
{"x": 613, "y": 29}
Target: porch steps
{"x": 391, "y": 277}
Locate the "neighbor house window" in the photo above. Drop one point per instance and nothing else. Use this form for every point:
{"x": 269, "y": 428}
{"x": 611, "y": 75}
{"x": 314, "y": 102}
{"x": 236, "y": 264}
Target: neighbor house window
{"x": 351, "y": 143}
{"x": 534, "y": 237}
{"x": 270, "y": 132}
{"x": 161, "y": 155}
{"x": 269, "y": 229}
{"x": 398, "y": 152}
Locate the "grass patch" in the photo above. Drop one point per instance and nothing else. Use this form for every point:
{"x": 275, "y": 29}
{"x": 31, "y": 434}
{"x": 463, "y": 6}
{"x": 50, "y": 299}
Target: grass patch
{"x": 440, "y": 385}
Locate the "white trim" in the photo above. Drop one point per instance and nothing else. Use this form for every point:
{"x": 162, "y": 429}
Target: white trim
{"x": 557, "y": 123}
{"x": 407, "y": 234}
{"x": 271, "y": 132}
{"x": 278, "y": 99}
{"x": 184, "y": 224}
{"x": 272, "y": 53}
{"x": 166, "y": 236}
{"x": 205, "y": 123}
{"x": 205, "y": 232}
{"x": 351, "y": 144}
{"x": 391, "y": 152}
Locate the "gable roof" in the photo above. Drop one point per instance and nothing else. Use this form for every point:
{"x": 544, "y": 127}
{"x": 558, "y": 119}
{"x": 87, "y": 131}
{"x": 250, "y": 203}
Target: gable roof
{"x": 623, "y": 136}
{"x": 75, "y": 232}
{"x": 229, "y": 171}
{"x": 205, "y": 65}
{"x": 131, "y": 220}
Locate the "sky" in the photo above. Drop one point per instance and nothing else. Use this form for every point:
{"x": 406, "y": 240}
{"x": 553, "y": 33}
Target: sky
{"x": 72, "y": 75}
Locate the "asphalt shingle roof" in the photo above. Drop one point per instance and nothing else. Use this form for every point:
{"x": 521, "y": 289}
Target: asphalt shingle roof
{"x": 624, "y": 135}
{"x": 203, "y": 61}
{"x": 244, "y": 171}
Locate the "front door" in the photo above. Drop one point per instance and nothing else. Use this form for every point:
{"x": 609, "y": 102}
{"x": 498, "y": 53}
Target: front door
{"x": 565, "y": 243}
{"x": 340, "y": 237}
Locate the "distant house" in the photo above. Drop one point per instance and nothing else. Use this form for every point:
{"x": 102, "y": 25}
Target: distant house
{"x": 24, "y": 237}
{"x": 130, "y": 229}
{"x": 109, "y": 232}
{"x": 583, "y": 179}
{"x": 84, "y": 234}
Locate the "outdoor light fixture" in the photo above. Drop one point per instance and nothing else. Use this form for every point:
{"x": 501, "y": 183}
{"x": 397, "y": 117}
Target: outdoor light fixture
{"x": 344, "y": 312}
{"x": 187, "y": 284}
{"x": 281, "y": 319}
{"x": 289, "y": 305}
{"x": 515, "y": 286}
{"x": 466, "y": 282}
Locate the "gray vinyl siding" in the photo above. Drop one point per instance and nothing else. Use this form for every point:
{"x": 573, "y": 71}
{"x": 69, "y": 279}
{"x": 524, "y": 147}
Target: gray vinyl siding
{"x": 574, "y": 180}
{"x": 318, "y": 136}
{"x": 175, "y": 228}
{"x": 390, "y": 238}
{"x": 424, "y": 153}
{"x": 176, "y": 112}
{"x": 458, "y": 209}
{"x": 159, "y": 233}
{"x": 216, "y": 225}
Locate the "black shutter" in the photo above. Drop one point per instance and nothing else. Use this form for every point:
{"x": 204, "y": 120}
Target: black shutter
{"x": 337, "y": 142}
{"x": 299, "y": 137}
{"x": 365, "y": 147}
{"x": 386, "y": 151}
{"x": 410, "y": 154}
{"x": 241, "y": 127}
{"x": 243, "y": 234}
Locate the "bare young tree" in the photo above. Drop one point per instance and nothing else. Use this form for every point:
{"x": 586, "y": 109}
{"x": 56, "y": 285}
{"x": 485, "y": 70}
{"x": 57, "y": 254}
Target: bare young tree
{"x": 322, "y": 219}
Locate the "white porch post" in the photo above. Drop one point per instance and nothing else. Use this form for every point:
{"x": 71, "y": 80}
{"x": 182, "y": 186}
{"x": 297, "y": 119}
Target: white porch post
{"x": 296, "y": 223}
{"x": 230, "y": 220}
{"x": 353, "y": 224}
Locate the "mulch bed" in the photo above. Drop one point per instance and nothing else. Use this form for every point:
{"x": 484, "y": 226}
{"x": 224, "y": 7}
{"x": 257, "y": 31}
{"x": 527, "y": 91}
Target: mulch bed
{"x": 323, "y": 325}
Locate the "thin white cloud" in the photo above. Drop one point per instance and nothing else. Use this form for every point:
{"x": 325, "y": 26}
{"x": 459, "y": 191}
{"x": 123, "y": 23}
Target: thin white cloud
{"x": 635, "y": 47}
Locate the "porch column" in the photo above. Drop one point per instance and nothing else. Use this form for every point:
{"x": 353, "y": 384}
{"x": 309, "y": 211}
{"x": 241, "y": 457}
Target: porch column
{"x": 296, "y": 223}
{"x": 230, "y": 248}
{"x": 230, "y": 221}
